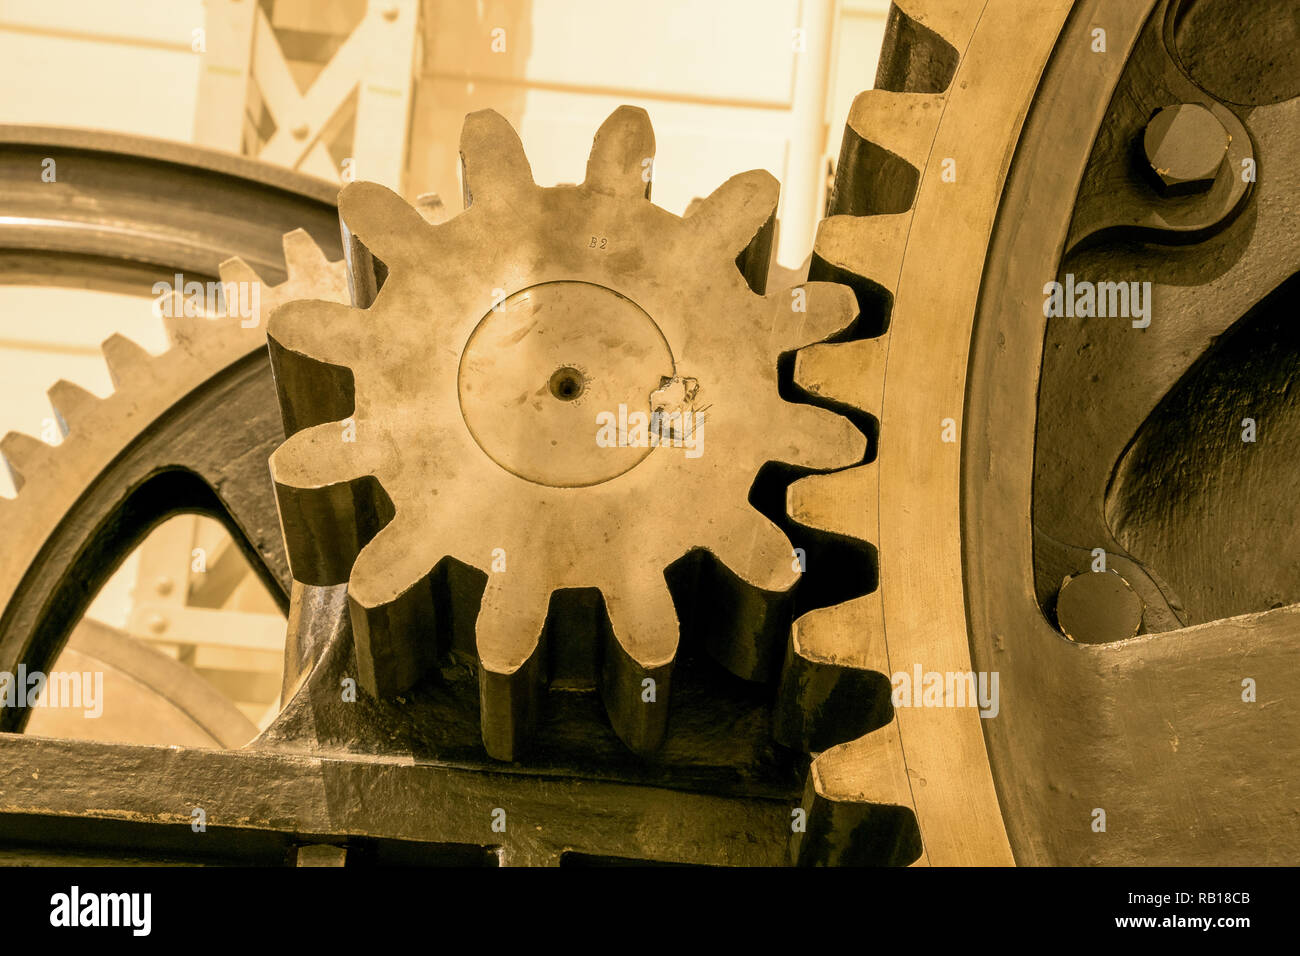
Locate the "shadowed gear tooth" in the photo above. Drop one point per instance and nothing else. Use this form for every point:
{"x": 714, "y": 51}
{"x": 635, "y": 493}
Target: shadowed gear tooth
{"x": 310, "y": 343}
{"x": 494, "y": 167}
{"x": 811, "y": 312}
{"x": 834, "y": 689}
{"x": 870, "y": 246}
{"x": 638, "y": 659}
{"x": 859, "y": 804}
{"x": 886, "y": 144}
{"x": 328, "y": 502}
{"x": 622, "y": 155}
{"x": 70, "y": 402}
{"x": 924, "y": 41}
{"x": 384, "y": 223}
{"x": 24, "y": 455}
{"x": 494, "y": 425}
{"x": 126, "y": 360}
{"x": 386, "y": 607}
{"x": 512, "y": 656}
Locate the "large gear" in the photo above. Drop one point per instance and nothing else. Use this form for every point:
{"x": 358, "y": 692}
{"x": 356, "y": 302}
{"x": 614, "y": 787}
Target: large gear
{"x": 69, "y": 483}
{"x": 492, "y": 378}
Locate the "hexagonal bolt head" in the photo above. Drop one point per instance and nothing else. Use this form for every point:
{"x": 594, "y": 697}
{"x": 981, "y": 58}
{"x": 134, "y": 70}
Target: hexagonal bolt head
{"x": 1185, "y": 146}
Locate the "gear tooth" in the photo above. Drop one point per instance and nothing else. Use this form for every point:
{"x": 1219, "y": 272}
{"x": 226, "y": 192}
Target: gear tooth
{"x": 385, "y": 223}
{"x": 923, "y": 44}
{"x": 310, "y": 343}
{"x": 812, "y": 312}
{"x": 834, "y": 683}
{"x": 330, "y": 507}
{"x": 739, "y": 219}
{"x": 301, "y": 253}
{"x": 844, "y": 502}
{"x": 869, "y": 246}
{"x": 494, "y": 166}
{"x": 759, "y": 553}
{"x": 24, "y": 454}
{"x": 737, "y": 210}
{"x": 641, "y": 645}
{"x": 510, "y": 639}
{"x": 622, "y": 155}
{"x": 237, "y": 270}
{"x": 71, "y": 402}
{"x": 859, "y": 805}
{"x": 817, "y": 438}
{"x": 887, "y": 140}
{"x": 394, "y": 625}
{"x": 849, "y": 373}
{"x": 125, "y": 359}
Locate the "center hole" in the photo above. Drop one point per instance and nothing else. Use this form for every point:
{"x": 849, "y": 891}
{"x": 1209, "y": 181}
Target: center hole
{"x": 566, "y": 383}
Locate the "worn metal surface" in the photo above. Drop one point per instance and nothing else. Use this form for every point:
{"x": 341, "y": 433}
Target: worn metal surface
{"x": 258, "y": 805}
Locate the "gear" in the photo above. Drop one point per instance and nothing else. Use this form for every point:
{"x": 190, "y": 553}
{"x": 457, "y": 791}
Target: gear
{"x": 561, "y": 388}
{"x": 62, "y": 489}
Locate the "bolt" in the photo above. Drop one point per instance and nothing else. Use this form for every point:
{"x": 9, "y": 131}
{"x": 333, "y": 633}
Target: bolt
{"x": 157, "y": 623}
{"x": 300, "y": 131}
{"x": 164, "y": 585}
{"x": 1185, "y": 146}
{"x": 1097, "y": 607}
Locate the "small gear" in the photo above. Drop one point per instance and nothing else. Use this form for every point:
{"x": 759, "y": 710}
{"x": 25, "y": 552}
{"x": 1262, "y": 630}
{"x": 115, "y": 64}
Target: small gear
{"x": 558, "y": 389}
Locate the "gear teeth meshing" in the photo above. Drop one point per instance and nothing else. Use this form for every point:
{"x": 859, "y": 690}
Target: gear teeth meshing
{"x": 473, "y": 447}
{"x": 25, "y": 455}
{"x": 923, "y": 44}
{"x": 71, "y": 403}
{"x": 126, "y": 360}
{"x": 845, "y": 373}
{"x": 835, "y": 502}
{"x": 839, "y": 653}
{"x": 867, "y": 246}
{"x": 880, "y": 815}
